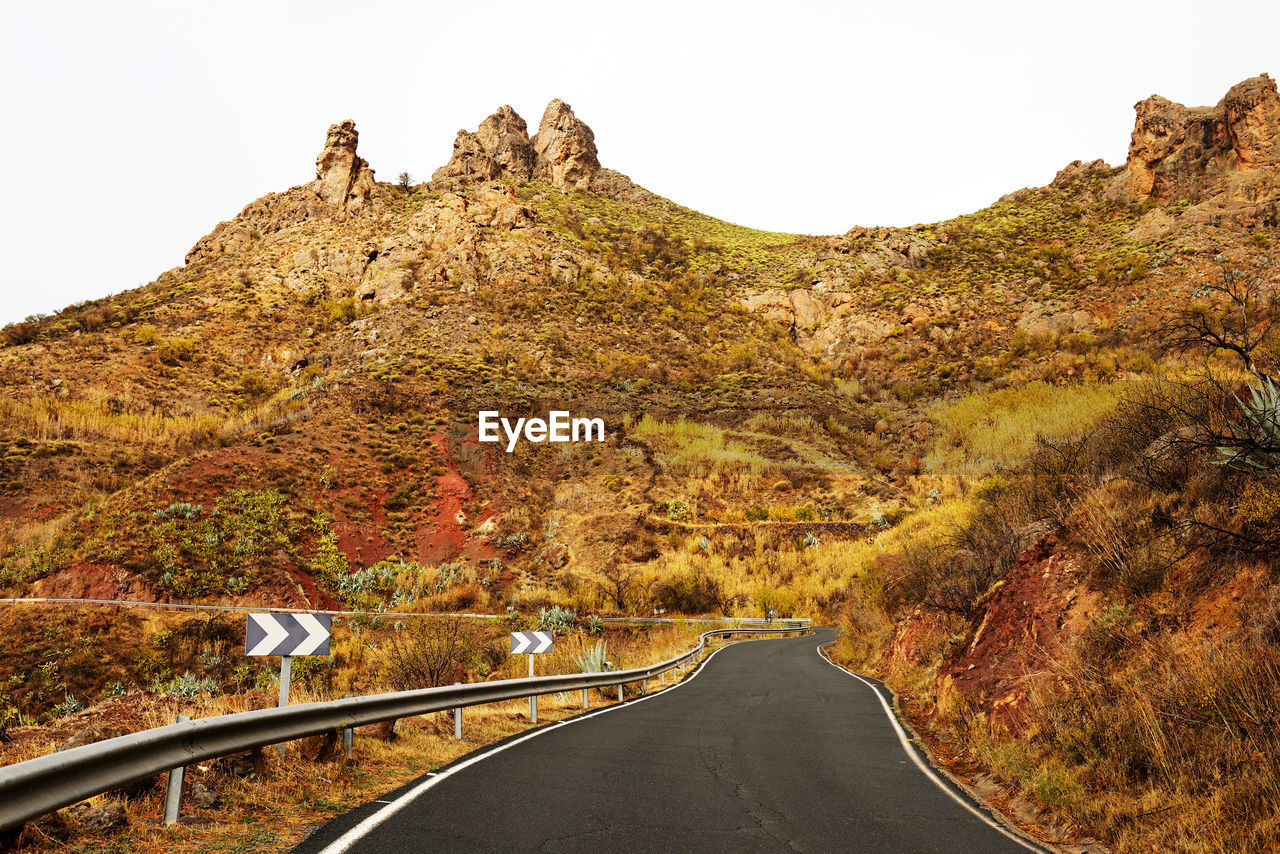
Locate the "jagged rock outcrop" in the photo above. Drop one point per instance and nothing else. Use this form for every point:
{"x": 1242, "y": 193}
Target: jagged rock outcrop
{"x": 343, "y": 179}
{"x": 563, "y": 152}
{"x": 1078, "y": 170}
{"x": 1252, "y": 111}
{"x": 565, "y": 148}
{"x": 443, "y": 245}
{"x": 343, "y": 184}
{"x": 500, "y": 148}
{"x": 882, "y": 248}
{"x": 1195, "y": 153}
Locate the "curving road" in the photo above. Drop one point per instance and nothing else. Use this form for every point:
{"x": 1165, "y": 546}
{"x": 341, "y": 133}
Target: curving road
{"x": 766, "y": 748}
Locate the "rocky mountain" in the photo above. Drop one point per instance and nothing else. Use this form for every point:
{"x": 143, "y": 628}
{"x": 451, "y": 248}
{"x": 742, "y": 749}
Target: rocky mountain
{"x": 890, "y": 427}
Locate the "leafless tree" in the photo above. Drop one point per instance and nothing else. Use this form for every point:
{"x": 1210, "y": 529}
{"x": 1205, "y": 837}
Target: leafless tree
{"x": 623, "y": 583}
{"x": 430, "y": 651}
{"x": 1237, "y": 316}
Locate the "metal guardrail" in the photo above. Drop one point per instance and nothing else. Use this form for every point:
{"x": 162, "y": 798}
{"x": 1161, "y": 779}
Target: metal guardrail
{"x": 732, "y": 622}
{"x": 783, "y": 623}
{"x": 37, "y": 786}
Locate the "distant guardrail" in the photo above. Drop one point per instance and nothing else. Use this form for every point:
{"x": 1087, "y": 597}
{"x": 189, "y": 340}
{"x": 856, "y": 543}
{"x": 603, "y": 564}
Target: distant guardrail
{"x": 184, "y": 606}
{"x": 727, "y": 622}
{"x": 37, "y": 786}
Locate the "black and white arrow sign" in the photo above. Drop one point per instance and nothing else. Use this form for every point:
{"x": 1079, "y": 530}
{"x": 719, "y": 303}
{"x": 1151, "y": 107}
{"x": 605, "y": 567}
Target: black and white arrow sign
{"x": 530, "y": 642}
{"x": 287, "y": 634}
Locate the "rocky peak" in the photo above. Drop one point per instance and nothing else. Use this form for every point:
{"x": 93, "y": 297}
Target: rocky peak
{"x": 506, "y": 137}
{"x": 565, "y": 148}
{"x": 499, "y": 149}
{"x": 1252, "y": 112}
{"x": 1195, "y": 153}
{"x": 563, "y": 152}
{"x": 343, "y": 179}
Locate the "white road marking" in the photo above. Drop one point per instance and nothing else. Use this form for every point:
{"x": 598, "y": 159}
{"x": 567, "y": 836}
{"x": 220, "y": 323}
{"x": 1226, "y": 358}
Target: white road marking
{"x": 925, "y": 767}
{"x": 344, "y": 842}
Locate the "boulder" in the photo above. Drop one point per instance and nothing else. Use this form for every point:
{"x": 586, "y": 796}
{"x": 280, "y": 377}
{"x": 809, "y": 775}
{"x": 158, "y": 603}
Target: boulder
{"x": 1252, "y": 112}
{"x": 108, "y": 816}
{"x": 202, "y": 797}
{"x": 320, "y": 748}
{"x": 563, "y": 152}
{"x": 242, "y": 764}
{"x": 1154, "y": 225}
{"x": 92, "y": 734}
{"x": 807, "y": 309}
{"x": 382, "y": 731}
{"x": 558, "y": 556}
{"x": 773, "y": 304}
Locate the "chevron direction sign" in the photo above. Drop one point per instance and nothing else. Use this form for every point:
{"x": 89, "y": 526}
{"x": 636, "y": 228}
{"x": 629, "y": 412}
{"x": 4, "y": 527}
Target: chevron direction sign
{"x": 287, "y": 634}
{"x": 530, "y": 642}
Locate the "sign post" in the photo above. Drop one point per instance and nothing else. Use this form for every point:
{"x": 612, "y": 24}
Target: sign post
{"x": 287, "y": 635}
{"x": 531, "y": 644}
{"x": 286, "y": 676}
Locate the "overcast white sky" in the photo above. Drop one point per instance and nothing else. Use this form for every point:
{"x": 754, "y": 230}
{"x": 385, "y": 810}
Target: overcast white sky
{"x": 131, "y": 128}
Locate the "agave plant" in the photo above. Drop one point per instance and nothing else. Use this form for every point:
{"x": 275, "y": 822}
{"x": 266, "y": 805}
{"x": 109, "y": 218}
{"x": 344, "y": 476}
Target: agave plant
{"x": 594, "y": 658}
{"x": 1258, "y": 433}
{"x": 558, "y": 620}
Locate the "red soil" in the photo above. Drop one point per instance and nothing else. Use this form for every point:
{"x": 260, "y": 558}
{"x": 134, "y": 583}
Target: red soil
{"x": 1016, "y": 635}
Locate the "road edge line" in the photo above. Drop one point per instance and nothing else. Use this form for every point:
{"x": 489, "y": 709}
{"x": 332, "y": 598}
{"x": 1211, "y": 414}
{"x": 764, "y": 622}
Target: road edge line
{"x": 929, "y": 771}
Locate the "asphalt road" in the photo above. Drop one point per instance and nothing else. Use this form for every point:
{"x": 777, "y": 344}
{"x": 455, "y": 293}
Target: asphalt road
{"x": 767, "y": 748}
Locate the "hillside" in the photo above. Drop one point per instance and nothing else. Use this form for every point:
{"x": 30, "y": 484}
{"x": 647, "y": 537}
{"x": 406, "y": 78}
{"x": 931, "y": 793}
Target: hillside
{"x": 989, "y": 447}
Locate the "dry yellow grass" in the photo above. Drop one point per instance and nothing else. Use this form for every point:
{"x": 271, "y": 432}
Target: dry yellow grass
{"x": 988, "y": 431}
{"x": 98, "y": 415}
{"x": 691, "y": 449}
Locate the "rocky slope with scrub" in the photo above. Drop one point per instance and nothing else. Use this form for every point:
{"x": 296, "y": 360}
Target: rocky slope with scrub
{"x": 1024, "y": 456}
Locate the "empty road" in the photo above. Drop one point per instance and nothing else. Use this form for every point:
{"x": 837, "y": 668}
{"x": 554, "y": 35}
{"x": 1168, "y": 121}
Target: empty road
{"x": 767, "y": 748}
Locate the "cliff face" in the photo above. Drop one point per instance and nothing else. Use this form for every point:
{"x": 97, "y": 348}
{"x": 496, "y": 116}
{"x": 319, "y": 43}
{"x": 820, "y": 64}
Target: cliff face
{"x": 1230, "y": 151}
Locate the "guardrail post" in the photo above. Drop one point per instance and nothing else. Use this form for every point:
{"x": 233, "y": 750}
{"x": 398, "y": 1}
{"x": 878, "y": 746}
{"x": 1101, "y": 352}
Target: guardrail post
{"x": 457, "y": 720}
{"x": 533, "y": 698}
{"x": 348, "y": 735}
{"x": 173, "y": 794}
{"x": 619, "y": 692}
{"x": 286, "y": 672}
{"x": 584, "y": 698}
{"x": 644, "y": 686}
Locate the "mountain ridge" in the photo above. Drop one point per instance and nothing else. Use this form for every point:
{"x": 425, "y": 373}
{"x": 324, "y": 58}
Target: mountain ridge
{"x": 920, "y": 432}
